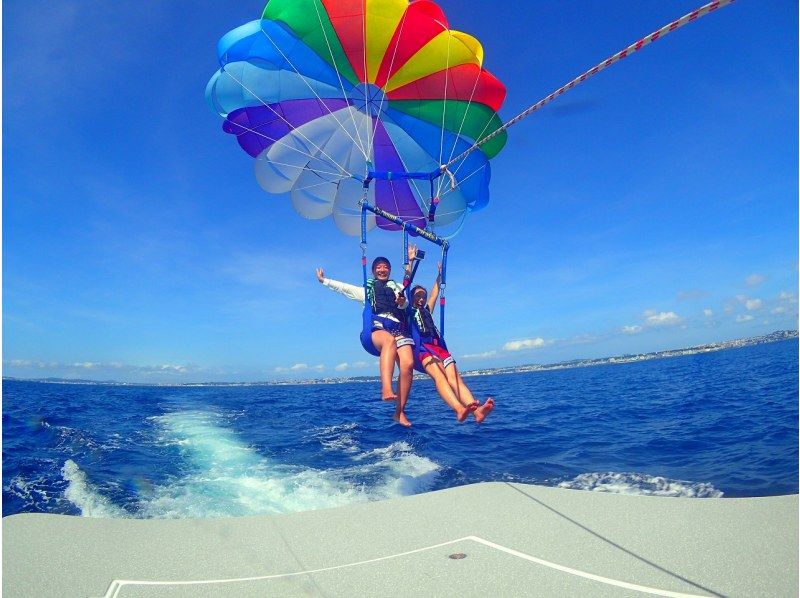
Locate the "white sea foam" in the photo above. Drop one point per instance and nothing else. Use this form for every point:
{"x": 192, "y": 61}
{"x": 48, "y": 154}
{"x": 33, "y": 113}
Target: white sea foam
{"x": 222, "y": 476}
{"x": 34, "y": 493}
{"x": 641, "y": 484}
{"x": 84, "y": 496}
{"x": 341, "y": 438}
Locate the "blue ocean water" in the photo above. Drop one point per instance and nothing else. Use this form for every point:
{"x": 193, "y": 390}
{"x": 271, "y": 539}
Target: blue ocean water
{"x": 715, "y": 424}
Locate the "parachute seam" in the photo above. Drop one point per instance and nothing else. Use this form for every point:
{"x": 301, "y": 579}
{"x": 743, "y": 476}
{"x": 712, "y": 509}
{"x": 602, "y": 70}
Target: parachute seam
{"x": 391, "y": 65}
{"x": 359, "y": 143}
{"x": 319, "y": 99}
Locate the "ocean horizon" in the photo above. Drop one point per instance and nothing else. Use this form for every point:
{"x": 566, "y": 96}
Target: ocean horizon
{"x": 717, "y": 424}
{"x": 776, "y": 336}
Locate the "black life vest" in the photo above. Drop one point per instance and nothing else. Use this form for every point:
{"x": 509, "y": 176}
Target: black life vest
{"x": 383, "y": 299}
{"x": 424, "y": 322}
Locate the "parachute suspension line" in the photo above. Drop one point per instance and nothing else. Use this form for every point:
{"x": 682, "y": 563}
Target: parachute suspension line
{"x": 452, "y": 176}
{"x": 336, "y": 175}
{"x": 373, "y": 122}
{"x": 359, "y": 143}
{"x": 461, "y": 128}
{"x": 319, "y": 99}
{"x": 454, "y": 183}
{"x": 635, "y": 47}
{"x": 444, "y": 102}
{"x": 280, "y": 116}
{"x": 460, "y": 224}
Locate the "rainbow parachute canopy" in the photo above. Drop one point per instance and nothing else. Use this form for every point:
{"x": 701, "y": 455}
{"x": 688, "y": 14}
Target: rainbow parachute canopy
{"x": 321, "y": 92}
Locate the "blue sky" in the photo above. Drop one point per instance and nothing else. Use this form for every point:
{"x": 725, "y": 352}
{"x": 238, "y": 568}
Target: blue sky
{"x": 653, "y": 207}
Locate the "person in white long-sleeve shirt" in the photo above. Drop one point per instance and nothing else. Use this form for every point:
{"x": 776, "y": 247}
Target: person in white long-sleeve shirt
{"x": 389, "y": 332}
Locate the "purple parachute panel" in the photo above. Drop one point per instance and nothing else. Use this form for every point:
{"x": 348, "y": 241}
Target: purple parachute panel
{"x": 394, "y": 196}
{"x": 258, "y": 127}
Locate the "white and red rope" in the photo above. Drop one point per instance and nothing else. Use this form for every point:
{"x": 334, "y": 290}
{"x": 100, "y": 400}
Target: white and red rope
{"x": 688, "y": 18}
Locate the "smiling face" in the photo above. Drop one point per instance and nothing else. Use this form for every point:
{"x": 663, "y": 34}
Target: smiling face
{"x": 420, "y": 295}
{"x": 382, "y": 271}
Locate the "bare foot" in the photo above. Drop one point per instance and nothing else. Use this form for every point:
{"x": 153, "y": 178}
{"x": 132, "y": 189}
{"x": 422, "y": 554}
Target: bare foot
{"x": 462, "y": 413}
{"x": 484, "y": 410}
{"x": 388, "y": 395}
{"x": 401, "y": 419}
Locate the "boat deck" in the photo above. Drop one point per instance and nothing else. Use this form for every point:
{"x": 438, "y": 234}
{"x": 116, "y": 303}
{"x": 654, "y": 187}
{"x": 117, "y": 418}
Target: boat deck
{"x": 497, "y": 539}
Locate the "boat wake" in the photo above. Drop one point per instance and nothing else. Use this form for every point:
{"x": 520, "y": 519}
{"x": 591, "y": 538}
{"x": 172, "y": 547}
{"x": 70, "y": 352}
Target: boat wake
{"x": 221, "y": 476}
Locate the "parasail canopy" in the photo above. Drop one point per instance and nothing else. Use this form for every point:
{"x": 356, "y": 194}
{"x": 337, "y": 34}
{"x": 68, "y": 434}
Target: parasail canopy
{"x": 325, "y": 93}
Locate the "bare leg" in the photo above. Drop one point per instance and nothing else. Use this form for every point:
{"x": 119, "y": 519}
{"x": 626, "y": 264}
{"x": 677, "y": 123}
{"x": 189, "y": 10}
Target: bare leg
{"x": 434, "y": 368}
{"x": 457, "y": 384}
{"x": 405, "y": 359}
{"x": 384, "y": 342}
{"x": 465, "y": 395}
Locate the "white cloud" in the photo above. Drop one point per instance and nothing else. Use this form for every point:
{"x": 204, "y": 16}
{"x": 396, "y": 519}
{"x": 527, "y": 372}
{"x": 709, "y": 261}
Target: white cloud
{"x": 99, "y": 367}
{"x": 753, "y": 304}
{"x": 754, "y": 280}
{"x": 341, "y": 367}
{"x": 788, "y": 297}
{"x": 744, "y": 318}
{"x": 664, "y": 318}
{"x": 484, "y": 355}
{"x": 631, "y": 329}
{"x": 778, "y": 310}
{"x": 299, "y": 367}
{"x": 528, "y": 343}
{"x": 708, "y": 313}
{"x": 19, "y": 363}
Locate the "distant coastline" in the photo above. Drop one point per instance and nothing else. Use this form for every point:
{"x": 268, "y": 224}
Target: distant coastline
{"x": 776, "y": 336}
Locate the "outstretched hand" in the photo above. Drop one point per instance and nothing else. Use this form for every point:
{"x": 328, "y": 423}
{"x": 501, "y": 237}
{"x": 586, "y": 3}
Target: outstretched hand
{"x": 320, "y": 274}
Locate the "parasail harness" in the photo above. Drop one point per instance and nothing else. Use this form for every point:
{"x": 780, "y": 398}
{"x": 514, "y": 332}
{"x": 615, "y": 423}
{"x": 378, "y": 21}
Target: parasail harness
{"x": 408, "y": 228}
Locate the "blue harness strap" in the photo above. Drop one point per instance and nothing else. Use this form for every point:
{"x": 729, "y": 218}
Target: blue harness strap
{"x": 367, "y": 315}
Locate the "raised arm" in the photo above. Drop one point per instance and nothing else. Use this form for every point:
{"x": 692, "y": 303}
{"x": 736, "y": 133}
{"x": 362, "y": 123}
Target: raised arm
{"x": 351, "y": 291}
{"x": 412, "y": 255}
{"x": 434, "y": 291}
